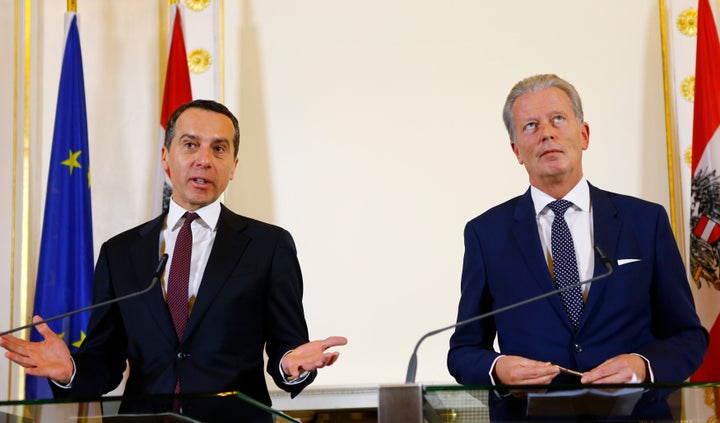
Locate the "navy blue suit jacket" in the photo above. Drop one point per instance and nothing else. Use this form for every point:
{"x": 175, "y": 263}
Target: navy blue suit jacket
{"x": 250, "y": 298}
{"x": 645, "y": 307}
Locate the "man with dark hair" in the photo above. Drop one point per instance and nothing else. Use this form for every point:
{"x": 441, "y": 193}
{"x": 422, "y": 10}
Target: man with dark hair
{"x": 232, "y": 287}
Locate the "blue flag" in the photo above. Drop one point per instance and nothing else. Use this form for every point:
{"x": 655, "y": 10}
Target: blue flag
{"x": 65, "y": 268}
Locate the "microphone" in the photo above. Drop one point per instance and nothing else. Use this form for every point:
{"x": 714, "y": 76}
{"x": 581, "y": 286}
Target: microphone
{"x": 156, "y": 277}
{"x": 412, "y": 365}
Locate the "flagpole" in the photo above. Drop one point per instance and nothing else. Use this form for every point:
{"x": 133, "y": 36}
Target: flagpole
{"x": 83, "y": 409}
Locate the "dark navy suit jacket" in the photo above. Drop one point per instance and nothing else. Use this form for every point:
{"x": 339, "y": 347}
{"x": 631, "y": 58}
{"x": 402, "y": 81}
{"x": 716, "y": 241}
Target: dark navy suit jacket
{"x": 644, "y": 307}
{"x": 250, "y": 298}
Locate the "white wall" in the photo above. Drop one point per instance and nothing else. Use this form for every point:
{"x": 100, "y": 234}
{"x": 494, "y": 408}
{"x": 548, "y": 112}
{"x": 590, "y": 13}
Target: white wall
{"x": 372, "y": 131}
{"x": 7, "y": 35}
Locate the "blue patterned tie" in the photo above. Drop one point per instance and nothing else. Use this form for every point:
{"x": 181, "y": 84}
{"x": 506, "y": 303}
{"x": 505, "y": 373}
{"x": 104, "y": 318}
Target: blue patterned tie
{"x": 564, "y": 262}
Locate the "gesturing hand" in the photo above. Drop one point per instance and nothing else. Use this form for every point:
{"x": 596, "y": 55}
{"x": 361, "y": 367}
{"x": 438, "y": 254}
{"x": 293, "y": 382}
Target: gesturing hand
{"x": 48, "y": 358}
{"x": 311, "y": 356}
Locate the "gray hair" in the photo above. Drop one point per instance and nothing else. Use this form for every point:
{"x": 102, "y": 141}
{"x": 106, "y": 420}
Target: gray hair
{"x": 537, "y": 83}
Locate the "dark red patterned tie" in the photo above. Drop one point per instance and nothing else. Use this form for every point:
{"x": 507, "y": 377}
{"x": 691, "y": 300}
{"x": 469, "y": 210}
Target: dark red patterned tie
{"x": 177, "y": 291}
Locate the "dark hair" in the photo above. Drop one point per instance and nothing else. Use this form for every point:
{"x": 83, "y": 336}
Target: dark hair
{"x": 210, "y": 105}
{"x": 538, "y": 83}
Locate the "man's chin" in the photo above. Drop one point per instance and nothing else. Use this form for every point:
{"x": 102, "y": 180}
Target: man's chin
{"x": 200, "y": 201}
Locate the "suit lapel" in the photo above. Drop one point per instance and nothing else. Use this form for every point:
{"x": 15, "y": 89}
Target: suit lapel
{"x": 145, "y": 259}
{"x": 525, "y": 231}
{"x": 229, "y": 245}
{"x": 606, "y": 234}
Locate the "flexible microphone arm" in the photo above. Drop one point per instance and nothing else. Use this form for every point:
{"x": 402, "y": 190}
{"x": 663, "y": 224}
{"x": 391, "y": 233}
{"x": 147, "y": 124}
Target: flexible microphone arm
{"x": 412, "y": 365}
{"x": 156, "y": 276}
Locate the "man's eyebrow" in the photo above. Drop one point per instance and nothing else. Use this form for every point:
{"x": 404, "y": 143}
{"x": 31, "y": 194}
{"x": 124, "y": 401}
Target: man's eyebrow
{"x": 196, "y": 137}
{"x": 188, "y": 135}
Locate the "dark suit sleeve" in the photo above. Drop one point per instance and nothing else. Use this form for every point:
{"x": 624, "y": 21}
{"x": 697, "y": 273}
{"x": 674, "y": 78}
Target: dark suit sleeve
{"x": 100, "y": 361}
{"x": 680, "y": 341}
{"x": 285, "y": 314}
{"x": 471, "y": 346}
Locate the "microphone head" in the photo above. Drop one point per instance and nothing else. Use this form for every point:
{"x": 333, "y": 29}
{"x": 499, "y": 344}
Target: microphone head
{"x": 161, "y": 265}
{"x": 601, "y": 254}
{"x": 603, "y": 257}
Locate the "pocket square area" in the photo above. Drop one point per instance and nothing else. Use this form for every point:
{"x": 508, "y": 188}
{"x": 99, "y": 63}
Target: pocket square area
{"x": 626, "y": 261}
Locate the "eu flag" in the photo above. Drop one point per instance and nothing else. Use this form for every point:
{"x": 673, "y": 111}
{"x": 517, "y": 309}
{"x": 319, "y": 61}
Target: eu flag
{"x": 65, "y": 268}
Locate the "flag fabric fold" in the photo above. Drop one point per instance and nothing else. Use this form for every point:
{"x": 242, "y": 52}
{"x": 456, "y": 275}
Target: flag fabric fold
{"x": 65, "y": 267}
{"x": 705, "y": 189}
{"x": 176, "y": 93}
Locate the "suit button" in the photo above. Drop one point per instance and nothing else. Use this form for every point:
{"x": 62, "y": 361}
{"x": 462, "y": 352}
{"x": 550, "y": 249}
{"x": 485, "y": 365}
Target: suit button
{"x": 181, "y": 356}
{"x": 578, "y": 348}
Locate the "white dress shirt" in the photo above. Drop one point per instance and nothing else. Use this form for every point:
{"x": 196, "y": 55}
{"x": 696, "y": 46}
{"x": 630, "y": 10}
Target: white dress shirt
{"x": 580, "y": 222}
{"x": 204, "y": 229}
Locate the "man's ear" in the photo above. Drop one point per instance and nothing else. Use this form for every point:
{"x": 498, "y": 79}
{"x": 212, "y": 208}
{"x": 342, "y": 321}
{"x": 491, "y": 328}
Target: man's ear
{"x": 164, "y": 160}
{"x": 516, "y": 152}
{"x": 585, "y": 131}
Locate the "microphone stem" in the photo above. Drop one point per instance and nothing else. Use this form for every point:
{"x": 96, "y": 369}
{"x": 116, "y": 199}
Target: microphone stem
{"x": 80, "y": 310}
{"x": 412, "y": 366}
{"x": 158, "y": 274}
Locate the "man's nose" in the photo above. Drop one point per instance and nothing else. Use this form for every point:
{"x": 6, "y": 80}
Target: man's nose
{"x": 547, "y": 131}
{"x": 203, "y": 157}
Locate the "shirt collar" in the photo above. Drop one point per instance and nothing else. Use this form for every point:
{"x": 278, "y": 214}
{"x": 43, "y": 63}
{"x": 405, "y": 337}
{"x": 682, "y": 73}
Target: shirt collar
{"x": 208, "y": 214}
{"x": 579, "y": 196}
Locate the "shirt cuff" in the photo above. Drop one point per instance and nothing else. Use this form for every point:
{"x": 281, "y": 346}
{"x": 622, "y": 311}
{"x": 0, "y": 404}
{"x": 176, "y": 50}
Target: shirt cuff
{"x": 498, "y": 393}
{"x": 72, "y": 377}
{"x": 492, "y": 369}
{"x": 298, "y": 380}
{"x": 649, "y": 369}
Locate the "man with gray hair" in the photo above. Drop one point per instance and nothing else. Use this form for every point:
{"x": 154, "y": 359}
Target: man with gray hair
{"x": 637, "y": 325}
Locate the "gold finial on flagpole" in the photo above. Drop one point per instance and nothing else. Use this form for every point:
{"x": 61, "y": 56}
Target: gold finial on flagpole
{"x": 72, "y": 6}
{"x": 171, "y": 2}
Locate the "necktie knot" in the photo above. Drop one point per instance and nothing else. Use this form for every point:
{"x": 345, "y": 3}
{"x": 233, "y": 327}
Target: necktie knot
{"x": 559, "y": 207}
{"x": 189, "y": 217}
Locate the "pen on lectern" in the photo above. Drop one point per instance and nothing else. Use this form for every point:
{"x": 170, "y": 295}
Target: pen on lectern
{"x": 570, "y": 372}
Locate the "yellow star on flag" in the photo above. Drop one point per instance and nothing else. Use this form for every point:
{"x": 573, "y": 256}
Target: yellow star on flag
{"x": 77, "y": 344}
{"x": 72, "y": 161}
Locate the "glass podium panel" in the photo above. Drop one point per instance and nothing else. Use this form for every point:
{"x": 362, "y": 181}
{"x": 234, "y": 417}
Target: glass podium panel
{"x": 222, "y": 407}
{"x": 414, "y": 403}
{"x": 597, "y": 403}
{"x": 406, "y": 403}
